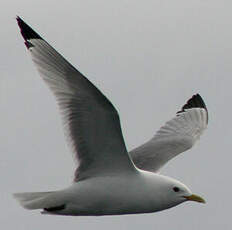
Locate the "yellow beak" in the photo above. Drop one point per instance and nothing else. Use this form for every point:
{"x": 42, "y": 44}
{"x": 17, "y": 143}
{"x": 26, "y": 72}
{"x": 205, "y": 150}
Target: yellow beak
{"x": 196, "y": 198}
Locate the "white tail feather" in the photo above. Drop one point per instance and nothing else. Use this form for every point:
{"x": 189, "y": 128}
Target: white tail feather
{"x": 35, "y": 200}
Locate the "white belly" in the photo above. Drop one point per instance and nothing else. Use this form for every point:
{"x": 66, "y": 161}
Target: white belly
{"x": 111, "y": 196}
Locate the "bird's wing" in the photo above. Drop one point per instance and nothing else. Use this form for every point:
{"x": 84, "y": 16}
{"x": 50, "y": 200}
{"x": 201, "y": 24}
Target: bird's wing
{"x": 91, "y": 121}
{"x": 175, "y": 137}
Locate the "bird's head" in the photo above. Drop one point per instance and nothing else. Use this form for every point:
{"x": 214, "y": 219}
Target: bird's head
{"x": 172, "y": 192}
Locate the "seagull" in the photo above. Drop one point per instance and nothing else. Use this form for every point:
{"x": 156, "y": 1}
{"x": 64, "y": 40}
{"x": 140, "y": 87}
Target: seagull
{"x": 109, "y": 180}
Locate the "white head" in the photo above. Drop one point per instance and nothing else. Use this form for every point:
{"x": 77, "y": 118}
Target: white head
{"x": 170, "y": 192}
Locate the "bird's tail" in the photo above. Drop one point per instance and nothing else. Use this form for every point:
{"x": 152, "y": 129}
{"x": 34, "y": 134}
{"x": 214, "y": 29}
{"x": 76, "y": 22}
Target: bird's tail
{"x": 35, "y": 200}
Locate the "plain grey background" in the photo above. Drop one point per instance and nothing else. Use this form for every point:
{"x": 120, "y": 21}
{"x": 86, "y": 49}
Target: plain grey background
{"x": 148, "y": 57}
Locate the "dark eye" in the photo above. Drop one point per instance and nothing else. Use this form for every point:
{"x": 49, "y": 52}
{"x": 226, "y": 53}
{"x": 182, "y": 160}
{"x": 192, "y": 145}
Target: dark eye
{"x": 176, "y": 189}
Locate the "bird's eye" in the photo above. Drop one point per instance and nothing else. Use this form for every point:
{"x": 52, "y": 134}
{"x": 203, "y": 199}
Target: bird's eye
{"x": 176, "y": 189}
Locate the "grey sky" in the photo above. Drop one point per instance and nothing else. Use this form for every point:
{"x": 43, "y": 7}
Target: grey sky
{"x": 148, "y": 57}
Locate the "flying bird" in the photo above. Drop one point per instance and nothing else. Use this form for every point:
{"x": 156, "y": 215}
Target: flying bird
{"x": 109, "y": 180}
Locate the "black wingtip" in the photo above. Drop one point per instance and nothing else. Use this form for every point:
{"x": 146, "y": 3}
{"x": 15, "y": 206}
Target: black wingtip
{"x": 195, "y": 101}
{"x": 27, "y": 32}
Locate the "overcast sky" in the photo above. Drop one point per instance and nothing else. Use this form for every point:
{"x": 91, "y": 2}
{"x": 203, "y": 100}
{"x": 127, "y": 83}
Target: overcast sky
{"x": 148, "y": 57}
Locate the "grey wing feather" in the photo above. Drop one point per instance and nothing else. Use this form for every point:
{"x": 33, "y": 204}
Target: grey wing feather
{"x": 90, "y": 119}
{"x": 175, "y": 137}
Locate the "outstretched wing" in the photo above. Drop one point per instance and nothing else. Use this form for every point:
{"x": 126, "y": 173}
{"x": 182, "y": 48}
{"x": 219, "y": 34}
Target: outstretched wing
{"x": 175, "y": 137}
{"x": 90, "y": 119}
